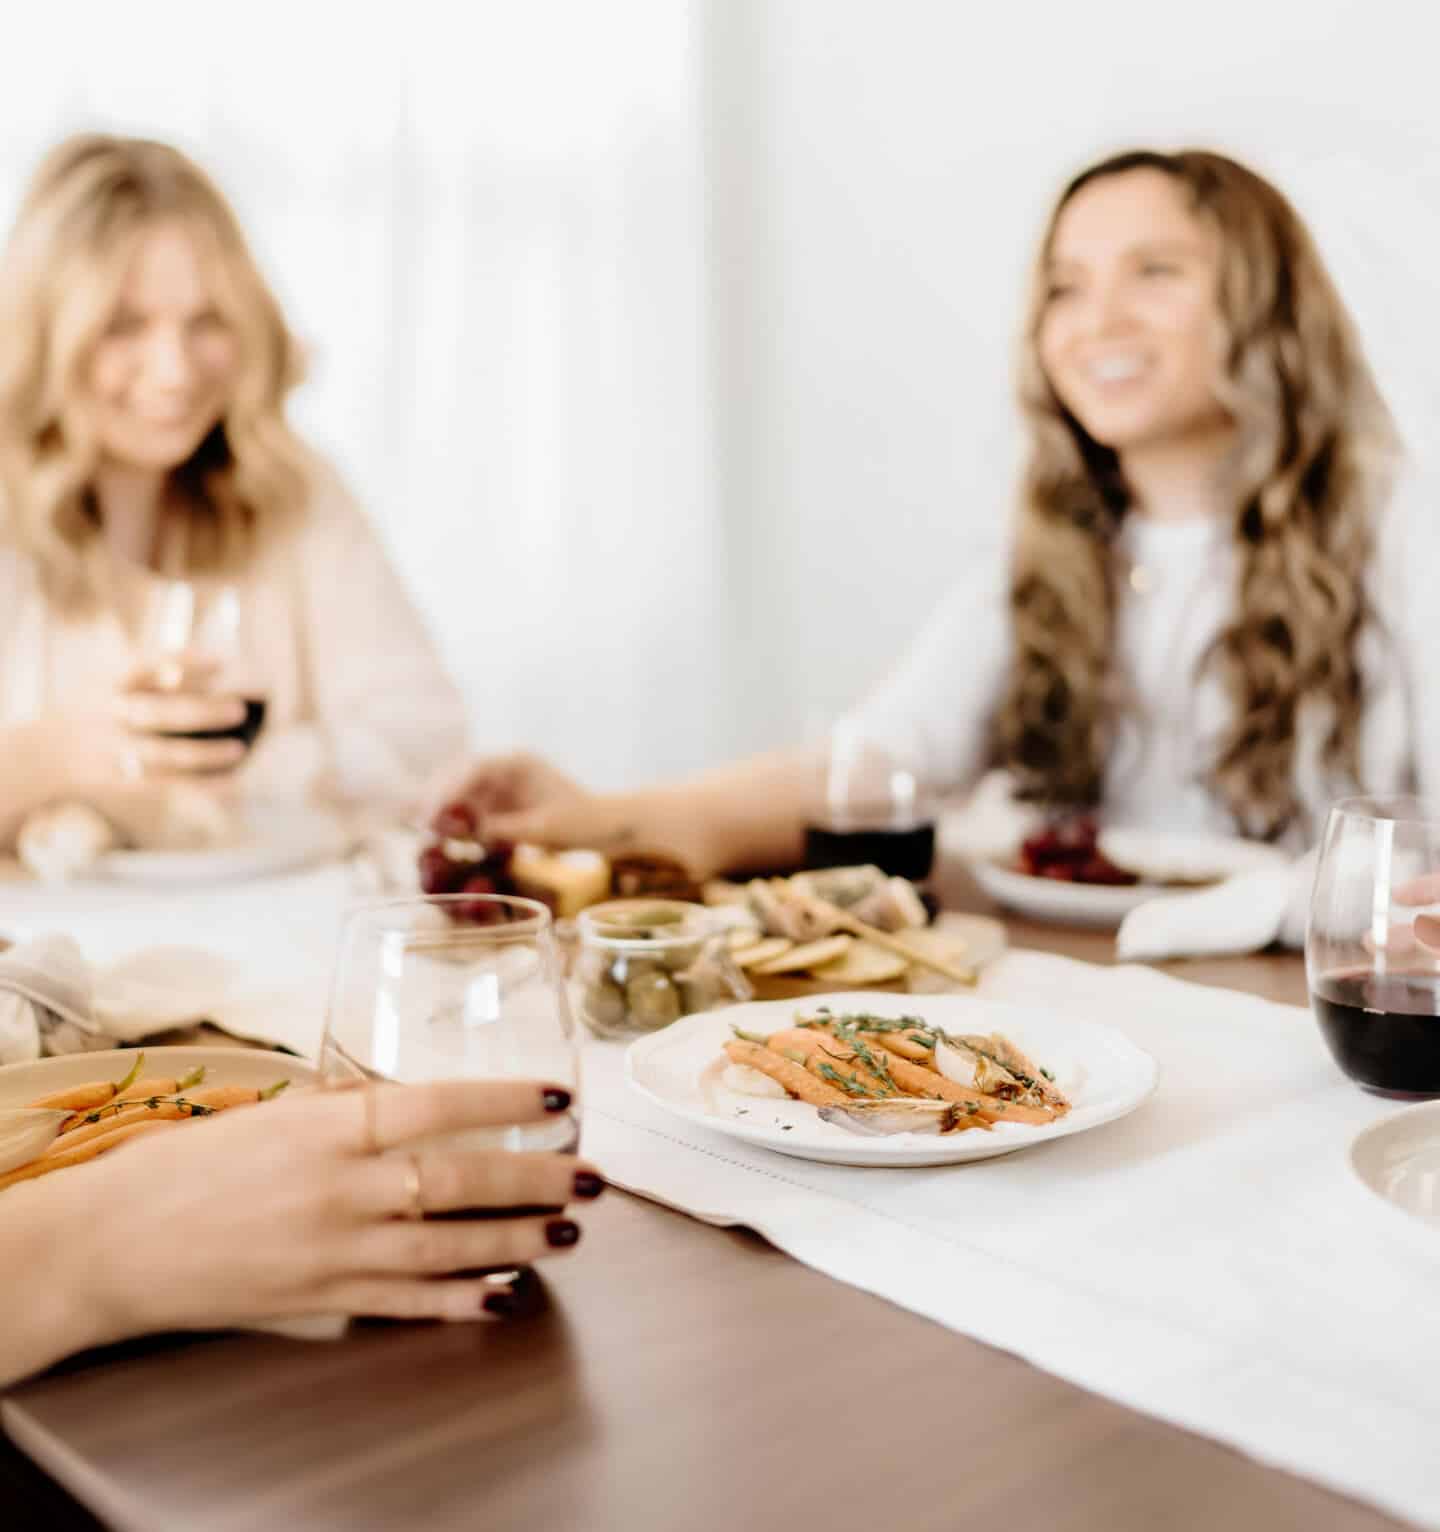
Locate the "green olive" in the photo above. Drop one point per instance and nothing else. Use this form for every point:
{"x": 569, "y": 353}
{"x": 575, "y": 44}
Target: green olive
{"x": 604, "y": 1004}
{"x": 653, "y": 1000}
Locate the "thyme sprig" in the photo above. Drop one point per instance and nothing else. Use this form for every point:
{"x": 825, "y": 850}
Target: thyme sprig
{"x": 152, "y": 1103}
{"x": 847, "y": 1083}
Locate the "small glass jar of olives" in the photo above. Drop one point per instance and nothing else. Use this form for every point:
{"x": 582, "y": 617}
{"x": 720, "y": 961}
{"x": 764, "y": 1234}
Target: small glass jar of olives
{"x": 643, "y": 963}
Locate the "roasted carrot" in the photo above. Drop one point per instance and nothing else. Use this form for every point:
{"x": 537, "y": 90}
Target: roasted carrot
{"x": 127, "y": 1108}
{"x": 79, "y": 1154}
{"x": 905, "y": 1044}
{"x": 222, "y": 1096}
{"x": 833, "y": 1060}
{"x": 81, "y": 1098}
{"x": 794, "y": 1077}
{"x": 117, "y": 1114}
{"x": 929, "y": 1082}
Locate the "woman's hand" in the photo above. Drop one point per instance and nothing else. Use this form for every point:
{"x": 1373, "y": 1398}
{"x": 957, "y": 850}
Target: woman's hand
{"x": 284, "y": 1209}
{"x": 515, "y": 798}
{"x": 146, "y": 723}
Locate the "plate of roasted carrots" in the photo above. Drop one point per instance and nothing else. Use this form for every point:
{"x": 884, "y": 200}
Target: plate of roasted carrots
{"x": 61, "y": 1112}
{"x": 869, "y": 1079}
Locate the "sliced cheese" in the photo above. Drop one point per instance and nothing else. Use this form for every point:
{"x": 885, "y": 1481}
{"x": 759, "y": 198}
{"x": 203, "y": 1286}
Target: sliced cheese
{"x": 574, "y": 879}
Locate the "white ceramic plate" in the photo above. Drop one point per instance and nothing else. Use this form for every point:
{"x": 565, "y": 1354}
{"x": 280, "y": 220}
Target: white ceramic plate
{"x": 1103, "y": 1073}
{"x": 22, "y": 1083}
{"x": 276, "y": 838}
{"x": 1398, "y": 1159}
{"x": 1156, "y": 854}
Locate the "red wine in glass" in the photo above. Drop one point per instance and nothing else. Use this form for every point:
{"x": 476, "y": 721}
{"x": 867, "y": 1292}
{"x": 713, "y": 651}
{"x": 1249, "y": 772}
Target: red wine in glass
{"x": 903, "y": 851}
{"x": 1382, "y": 1029}
{"x": 245, "y": 731}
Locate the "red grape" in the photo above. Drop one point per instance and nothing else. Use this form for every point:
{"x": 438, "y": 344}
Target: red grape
{"x": 438, "y": 874}
{"x": 456, "y": 821}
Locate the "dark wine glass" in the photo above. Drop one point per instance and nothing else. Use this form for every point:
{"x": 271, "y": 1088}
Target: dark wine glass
{"x": 1374, "y": 988}
{"x": 875, "y": 807}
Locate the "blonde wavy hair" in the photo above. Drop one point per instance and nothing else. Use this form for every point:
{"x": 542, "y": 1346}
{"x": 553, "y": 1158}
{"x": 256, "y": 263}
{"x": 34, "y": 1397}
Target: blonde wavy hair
{"x": 92, "y": 201}
{"x": 1315, "y": 446}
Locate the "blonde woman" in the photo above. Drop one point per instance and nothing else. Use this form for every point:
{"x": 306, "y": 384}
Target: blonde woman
{"x": 144, "y": 371}
{"x": 1212, "y": 615}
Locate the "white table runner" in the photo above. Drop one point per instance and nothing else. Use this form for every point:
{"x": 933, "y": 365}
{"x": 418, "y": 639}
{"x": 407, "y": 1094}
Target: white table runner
{"x": 1207, "y": 1260}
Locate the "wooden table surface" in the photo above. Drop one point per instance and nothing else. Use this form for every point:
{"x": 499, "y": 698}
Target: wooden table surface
{"x": 682, "y": 1377}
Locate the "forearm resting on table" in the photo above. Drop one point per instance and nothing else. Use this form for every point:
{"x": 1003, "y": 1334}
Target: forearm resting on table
{"x": 47, "y": 1314}
{"x": 749, "y": 814}
{"x": 32, "y": 773}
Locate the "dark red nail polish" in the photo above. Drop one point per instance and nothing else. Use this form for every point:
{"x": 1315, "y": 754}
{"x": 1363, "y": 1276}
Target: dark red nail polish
{"x": 588, "y": 1184}
{"x": 556, "y": 1100}
{"x": 501, "y": 1304}
{"x": 561, "y": 1232}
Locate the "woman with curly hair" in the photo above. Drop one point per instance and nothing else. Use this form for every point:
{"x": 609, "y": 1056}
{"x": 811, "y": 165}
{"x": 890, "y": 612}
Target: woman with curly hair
{"x": 144, "y": 371}
{"x": 1210, "y": 616}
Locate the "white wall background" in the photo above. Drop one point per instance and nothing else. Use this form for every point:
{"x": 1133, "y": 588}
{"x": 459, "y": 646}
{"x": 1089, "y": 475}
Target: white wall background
{"x": 669, "y": 340}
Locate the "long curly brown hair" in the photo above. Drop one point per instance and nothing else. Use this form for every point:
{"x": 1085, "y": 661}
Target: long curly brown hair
{"x": 1314, "y": 447}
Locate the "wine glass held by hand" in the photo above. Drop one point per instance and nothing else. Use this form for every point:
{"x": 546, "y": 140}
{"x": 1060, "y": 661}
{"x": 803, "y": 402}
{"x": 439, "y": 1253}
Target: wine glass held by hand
{"x": 198, "y": 681}
{"x": 461, "y": 988}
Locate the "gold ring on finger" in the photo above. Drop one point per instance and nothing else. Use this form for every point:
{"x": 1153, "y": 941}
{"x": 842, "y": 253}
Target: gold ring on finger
{"x": 414, "y": 1188}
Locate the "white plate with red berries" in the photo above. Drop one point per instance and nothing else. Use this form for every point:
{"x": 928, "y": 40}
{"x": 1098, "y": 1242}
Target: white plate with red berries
{"x": 1079, "y": 873}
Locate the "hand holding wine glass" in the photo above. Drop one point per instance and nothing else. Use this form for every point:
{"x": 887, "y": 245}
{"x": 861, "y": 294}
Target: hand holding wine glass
{"x": 466, "y": 988}
{"x": 193, "y": 704}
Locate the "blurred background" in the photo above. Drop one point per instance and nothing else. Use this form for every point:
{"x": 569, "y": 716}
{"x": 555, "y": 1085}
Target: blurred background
{"x": 668, "y": 342}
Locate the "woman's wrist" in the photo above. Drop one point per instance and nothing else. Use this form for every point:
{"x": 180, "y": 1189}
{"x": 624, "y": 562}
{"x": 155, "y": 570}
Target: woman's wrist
{"x": 48, "y": 1318}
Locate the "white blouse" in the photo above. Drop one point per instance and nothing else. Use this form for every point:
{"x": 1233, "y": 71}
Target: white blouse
{"x": 358, "y": 703}
{"x": 935, "y": 709}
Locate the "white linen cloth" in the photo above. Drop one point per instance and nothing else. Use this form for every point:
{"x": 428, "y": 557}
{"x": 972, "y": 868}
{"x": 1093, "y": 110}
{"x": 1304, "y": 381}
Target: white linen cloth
{"x": 254, "y": 958}
{"x": 1243, "y": 914}
{"x": 1207, "y": 1260}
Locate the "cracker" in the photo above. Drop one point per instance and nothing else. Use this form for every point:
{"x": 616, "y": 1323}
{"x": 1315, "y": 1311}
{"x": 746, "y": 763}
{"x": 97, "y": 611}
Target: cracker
{"x": 806, "y": 956}
{"x": 864, "y": 963}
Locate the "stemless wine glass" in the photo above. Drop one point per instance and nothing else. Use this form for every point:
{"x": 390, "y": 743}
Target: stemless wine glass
{"x": 200, "y": 638}
{"x": 1374, "y": 988}
{"x": 456, "y": 987}
{"x": 875, "y": 808}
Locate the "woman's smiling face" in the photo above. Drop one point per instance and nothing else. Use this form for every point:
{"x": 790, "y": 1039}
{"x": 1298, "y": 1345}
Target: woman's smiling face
{"x": 1131, "y": 337}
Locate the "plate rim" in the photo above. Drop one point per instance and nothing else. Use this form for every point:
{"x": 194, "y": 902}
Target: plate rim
{"x": 1418, "y": 1226}
{"x": 217, "y": 1050}
{"x": 321, "y": 835}
{"x": 921, "y": 1155}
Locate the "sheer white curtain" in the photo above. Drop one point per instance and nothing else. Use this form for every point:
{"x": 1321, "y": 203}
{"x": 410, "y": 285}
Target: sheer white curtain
{"x": 486, "y": 221}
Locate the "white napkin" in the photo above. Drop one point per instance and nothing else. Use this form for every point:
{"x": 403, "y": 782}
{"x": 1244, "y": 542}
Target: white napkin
{"x": 1242, "y": 914}
{"x": 52, "y": 1001}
